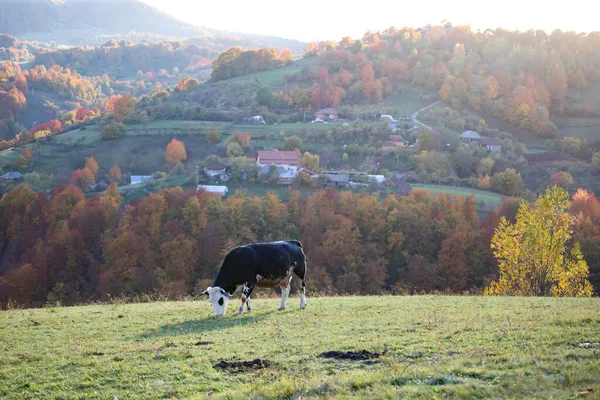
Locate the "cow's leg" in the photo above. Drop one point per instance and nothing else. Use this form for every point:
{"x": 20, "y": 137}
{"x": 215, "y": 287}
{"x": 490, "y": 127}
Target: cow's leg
{"x": 246, "y": 292}
{"x": 285, "y": 292}
{"x": 301, "y": 275}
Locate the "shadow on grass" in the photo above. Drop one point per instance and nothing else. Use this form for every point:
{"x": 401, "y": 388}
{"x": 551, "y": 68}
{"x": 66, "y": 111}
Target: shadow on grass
{"x": 205, "y": 325}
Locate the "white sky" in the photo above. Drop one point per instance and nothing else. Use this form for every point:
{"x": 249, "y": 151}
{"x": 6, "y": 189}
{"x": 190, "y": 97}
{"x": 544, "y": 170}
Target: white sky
{"x": 313, "y": 20}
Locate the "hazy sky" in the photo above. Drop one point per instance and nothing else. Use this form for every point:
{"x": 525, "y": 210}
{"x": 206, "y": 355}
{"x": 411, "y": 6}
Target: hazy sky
{"x": 310, "y": 20}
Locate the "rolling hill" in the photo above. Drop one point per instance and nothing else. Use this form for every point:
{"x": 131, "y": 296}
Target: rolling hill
{"x": 92, "y": 22}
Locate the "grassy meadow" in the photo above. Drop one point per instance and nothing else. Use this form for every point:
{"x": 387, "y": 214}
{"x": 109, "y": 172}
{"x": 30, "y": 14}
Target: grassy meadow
{"x": 430, "y": 346}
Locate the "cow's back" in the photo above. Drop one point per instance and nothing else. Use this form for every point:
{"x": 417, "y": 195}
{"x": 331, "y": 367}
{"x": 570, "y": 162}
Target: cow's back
{"x": 244, "y": 263}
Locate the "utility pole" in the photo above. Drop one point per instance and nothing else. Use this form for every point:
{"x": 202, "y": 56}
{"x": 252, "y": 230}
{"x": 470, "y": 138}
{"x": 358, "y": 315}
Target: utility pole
{"x": 197, "y": 176}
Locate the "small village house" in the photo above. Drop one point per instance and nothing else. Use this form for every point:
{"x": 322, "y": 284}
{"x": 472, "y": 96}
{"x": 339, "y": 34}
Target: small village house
{"x": 11, "y": 178}
{"x": 286, "y": 163}
{"x": 470, "y": 136}
{"x": 213, "y": 168}
{"x": 493, "y": 145}
{"x": 327, "y": 114}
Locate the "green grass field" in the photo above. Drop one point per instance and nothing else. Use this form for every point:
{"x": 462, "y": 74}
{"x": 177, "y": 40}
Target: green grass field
{"x": 275, "y": 77}
{"x": 490, "y": 199}
{"x": 432, "y": 347}
{"x": 582, "y": 128}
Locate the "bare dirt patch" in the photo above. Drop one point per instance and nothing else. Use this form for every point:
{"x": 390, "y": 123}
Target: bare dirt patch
{"x": 350, "y": 355}
{"x": 243, "y": 366}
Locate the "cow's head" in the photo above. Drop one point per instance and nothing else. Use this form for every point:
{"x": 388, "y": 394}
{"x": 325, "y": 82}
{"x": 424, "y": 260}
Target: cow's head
{"x": 218, "y": 297}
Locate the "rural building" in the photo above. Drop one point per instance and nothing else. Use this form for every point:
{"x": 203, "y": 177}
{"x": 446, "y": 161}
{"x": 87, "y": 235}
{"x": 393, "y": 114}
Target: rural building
{"x": 337, "y": 178}
{"x": 390, "y": 145}
{"x": 398, "y": 140}
{"x": 216, "y": 190}
{"x": 470, "y": 136}
{"x": 11, "y": 178}
{"x": 327, "y": 114}
{"x": 213, "y": 168}
{"x": 491, "y": 144}
{"x": 279, "y": 158}
{"x": 376, "y": 178}
{"x": 286, "y": 174}
{"x": 140, "y": 178}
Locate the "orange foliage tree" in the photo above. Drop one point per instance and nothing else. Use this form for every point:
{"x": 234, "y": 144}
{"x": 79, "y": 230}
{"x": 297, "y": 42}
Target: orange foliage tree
{"x": 175, "y": 153}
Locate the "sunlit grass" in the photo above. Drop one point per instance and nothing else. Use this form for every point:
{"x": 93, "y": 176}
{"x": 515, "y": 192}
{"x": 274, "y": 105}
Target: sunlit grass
{"x": 434, "y": 347}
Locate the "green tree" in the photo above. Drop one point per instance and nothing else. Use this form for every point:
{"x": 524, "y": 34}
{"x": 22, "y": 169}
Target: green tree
{"x": 428, "y": 140}
{"x": 508, "y": 182}
{"x": 265, "y": 96}
{"x": 113, "y": 131}
{"x": 234, "y": 149}
{"x": 596, "y": 159}
{"x": 292, "y": 143}
{"x": 533, "y": 254}
{"x": 213, "y": 135}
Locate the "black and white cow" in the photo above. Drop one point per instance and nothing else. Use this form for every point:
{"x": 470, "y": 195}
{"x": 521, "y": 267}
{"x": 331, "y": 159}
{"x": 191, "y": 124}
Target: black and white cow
{"x": 265, "y": 265}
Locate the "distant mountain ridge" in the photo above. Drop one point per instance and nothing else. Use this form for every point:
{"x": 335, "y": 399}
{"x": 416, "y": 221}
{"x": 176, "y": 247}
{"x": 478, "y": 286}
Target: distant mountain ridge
{"x": 93, "y": 22}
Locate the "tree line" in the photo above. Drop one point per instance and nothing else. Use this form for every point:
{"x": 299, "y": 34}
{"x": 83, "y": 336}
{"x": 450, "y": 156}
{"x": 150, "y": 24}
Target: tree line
{"x": 67, "y": 247}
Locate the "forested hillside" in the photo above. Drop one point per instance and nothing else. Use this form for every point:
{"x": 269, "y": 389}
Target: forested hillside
{"x": 525, "y": 78}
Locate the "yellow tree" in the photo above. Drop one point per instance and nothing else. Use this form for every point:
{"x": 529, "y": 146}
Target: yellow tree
{"x": 175, "y": 152}
{"x": 534, "y": 258}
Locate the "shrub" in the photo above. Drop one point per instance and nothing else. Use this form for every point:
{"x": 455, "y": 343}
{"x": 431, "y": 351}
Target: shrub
{"x": 113, "y": 131}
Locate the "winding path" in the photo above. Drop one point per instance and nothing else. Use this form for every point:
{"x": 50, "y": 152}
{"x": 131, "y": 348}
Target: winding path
{"x": 416, "y": 114}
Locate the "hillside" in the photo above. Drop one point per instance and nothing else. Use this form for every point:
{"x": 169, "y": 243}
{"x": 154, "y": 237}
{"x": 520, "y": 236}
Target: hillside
{"x": 429, "y": 346}
{"x": 88, "y": 22}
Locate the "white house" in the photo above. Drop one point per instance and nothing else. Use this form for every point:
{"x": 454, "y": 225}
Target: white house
{"x": 470, "y": 136}
{"x": 140, "y": 178}
{"x": 213, "y": 168}
{"x": 214, "y": 189}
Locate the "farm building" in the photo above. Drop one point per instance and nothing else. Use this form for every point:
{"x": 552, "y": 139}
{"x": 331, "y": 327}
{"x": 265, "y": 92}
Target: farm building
{"x": 491, "y": 144}
{"x": 337, "y": 178}
{"x": 213, "y": 168}
{"x": 470, "y": 136}
{"x": 279, "y": 158}
{"x": 10, "y": 178}
{"x": 327, "y": 114}
{"x": 390, "y": 146}
{"x": 140, "y": 178}
{"x": 214, "y": 189}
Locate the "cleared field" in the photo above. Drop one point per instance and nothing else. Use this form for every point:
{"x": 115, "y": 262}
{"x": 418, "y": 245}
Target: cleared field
{"x": 583, "y": 128}
{"x": 490, "y": 199}
{"x": 275, "y": 76}
{"x": 428, "y": 347}
{"x": 590, "y": 96}
{"x": 409, "y": 100}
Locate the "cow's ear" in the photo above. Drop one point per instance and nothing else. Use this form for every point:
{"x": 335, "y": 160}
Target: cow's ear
{"x": 206, "y": 291}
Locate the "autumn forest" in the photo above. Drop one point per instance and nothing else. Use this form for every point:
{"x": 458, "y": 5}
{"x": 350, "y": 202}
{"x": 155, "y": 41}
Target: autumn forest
{"x": 77, "y": 123}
